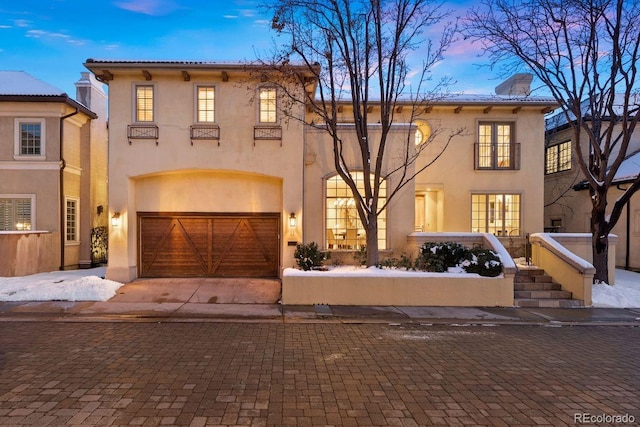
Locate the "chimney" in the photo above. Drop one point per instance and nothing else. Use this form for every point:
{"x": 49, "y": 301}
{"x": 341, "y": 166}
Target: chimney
{"x": 87, "y": 89}
{"x": 90, "y": 93}
{"x": 516, "y": 85}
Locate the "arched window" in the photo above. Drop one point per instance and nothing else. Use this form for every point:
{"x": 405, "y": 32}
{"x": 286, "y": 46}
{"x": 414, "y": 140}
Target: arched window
{"x": 344, "y": 229}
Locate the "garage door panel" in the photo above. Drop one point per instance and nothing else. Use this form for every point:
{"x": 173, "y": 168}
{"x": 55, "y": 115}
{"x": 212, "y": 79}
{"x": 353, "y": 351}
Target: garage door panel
{"x": 209, "y": 245}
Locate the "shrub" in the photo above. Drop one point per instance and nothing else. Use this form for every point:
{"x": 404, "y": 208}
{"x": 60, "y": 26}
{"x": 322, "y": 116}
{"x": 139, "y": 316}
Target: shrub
{"x": 404, "y": 262}
{"x": 484, "y": 262}
{"x": 361, "y": 256}
{"x": 438, "y": 257}
{"x": 309, "y": 257}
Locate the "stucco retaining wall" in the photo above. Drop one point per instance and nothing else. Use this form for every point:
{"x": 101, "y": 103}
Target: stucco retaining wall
{"x": 28, "y": 253}
{"x": 444, "y": 289}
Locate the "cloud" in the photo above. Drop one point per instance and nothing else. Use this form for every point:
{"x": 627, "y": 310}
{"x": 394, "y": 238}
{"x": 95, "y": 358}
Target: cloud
{"x": 230, "y": 16}
{"x": 48, "y": 35}
{"x": 4, "y": 27}
{"x": 149, "y": 7}
{"x": 21, "y": 23}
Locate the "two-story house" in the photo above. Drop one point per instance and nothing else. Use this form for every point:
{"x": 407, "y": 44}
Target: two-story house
{"x": 207, "y": 177}
{"x": 53, "y": 154}
{"x": 567, "y": 199}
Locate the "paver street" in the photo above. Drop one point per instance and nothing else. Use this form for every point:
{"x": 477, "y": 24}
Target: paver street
{"x": 137, "y": 373}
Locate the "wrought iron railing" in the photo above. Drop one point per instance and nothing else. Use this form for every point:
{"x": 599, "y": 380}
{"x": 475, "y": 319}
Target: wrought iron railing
{"x": 273, "y": 133}
{"x": 142, "y": 132}
{"x": 204, "y": 132}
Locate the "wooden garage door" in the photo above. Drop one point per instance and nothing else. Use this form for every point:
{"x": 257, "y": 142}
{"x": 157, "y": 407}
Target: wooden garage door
{"x": 208, "y": 245}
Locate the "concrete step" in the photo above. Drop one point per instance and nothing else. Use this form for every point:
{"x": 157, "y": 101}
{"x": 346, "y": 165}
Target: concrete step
{"x": 544, "y": 286}
{"x": 543, "y": 294}
{"x": 548, "y": 303}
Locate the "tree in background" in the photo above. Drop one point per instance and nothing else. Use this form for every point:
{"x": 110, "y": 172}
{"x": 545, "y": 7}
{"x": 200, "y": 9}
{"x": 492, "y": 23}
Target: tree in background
{"x": 586, "y": 52}
{"x": 359, "y": 52}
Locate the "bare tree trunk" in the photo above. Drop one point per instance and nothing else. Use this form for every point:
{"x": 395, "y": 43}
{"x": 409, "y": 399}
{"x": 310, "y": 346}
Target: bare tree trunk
{"x": 373, "y": 257}
{"x": 600, "y": 239}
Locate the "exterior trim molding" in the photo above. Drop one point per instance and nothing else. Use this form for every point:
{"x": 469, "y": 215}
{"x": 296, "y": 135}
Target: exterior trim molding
{"x": 29, "y": 164}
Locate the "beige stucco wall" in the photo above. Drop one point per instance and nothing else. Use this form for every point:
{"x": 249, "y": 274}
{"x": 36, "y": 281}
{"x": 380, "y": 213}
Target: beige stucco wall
{"x": 238, "y": 173}
{"x": 448, "y": 182}
{"x": 40, "y": 178}
{"x": 400, "y": 290}
{"x": 454, "y": 176}
{"x": 574, "y": 207}
{"x": 319, "y": 166}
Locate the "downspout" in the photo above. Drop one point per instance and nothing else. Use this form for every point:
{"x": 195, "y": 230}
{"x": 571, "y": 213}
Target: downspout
{"x": 628, "y": 237}
{"x": 63, "y": 164}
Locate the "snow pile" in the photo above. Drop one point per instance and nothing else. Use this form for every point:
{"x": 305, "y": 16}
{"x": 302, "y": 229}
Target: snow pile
{"x": 73, "y": 285}
{"x": 624, "y": 294}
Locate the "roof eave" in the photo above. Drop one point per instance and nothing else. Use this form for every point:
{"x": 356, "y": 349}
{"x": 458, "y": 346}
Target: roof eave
{"x": 50, "y": 98}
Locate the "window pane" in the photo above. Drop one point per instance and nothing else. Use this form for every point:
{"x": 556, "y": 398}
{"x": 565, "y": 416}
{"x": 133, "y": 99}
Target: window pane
{"x": 15, "y": 214}
{"x": 552, "y": 159}
{"x": 344, "y": 229}
{"x": 206, "y": 103}
{"x": 144, "y": 103}
{"x": 30, "y": 139}
{"x": 484, "y": 146}
{"x": 267, "y": 105}
{"x": 564, "y": 156}
{"x": 71, "y": 220}
{"x": 503, "y": 144}
{"x": 496, "y": 213}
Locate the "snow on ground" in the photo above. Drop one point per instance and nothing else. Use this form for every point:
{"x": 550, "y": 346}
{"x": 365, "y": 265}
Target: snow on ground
{"x": 89, "y": 285}
{"x": 70, "y": 285}
{"x": 625, "y": 293}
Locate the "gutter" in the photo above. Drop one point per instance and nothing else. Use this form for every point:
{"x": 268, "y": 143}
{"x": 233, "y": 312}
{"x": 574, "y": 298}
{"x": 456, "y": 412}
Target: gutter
{"x": 63, "y": 164}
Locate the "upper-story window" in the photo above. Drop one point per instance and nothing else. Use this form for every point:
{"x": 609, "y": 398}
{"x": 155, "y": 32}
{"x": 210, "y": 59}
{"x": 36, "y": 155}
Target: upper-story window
{"x": 144, "y": 103}
{"x": 29, "y": 138}
{"x": 267, "y": 113}
{"x": 558, "y": 158}
{"x": 496, "y": 148}
{"x": 16, "y": 212}
{"x": 206, "y": 104}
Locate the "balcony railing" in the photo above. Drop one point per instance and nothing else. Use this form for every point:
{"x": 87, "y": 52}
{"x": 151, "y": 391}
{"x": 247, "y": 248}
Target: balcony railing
{"x": 273, "y": 133}
{"x": 496, "y": 157}
{"x": 205, "y": 132}
{"x": 142, "y": 132}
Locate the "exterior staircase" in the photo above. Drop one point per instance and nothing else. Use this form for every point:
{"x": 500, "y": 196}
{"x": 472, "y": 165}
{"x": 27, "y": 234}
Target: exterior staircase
{"x": 534, "y": 288}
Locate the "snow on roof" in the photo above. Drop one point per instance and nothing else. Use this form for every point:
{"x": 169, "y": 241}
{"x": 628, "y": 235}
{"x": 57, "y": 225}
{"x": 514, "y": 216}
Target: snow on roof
{"x": 22, "y": 83}
{"x": 560, "y": 119}
{"x": 629, "y": 168}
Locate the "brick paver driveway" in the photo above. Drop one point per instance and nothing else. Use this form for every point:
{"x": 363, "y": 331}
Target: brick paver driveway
{"x": 315, "y": 374}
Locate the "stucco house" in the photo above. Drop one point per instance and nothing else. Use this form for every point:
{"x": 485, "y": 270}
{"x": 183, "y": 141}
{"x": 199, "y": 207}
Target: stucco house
{"x": 53, "y": 165}
{"x": 567, "y": 199}
{"x": 208, "y": 178}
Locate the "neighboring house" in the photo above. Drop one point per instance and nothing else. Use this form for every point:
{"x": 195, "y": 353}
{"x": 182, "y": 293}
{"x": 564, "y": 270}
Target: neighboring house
{"x": 208, "y": 178}
{"x": 53, "y": 153}
{"x": 567, "y": 204}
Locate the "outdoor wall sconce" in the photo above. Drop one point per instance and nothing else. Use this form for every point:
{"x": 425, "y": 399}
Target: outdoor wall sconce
{"x": 292, "y": 220}
{"x": 115, "y": 219}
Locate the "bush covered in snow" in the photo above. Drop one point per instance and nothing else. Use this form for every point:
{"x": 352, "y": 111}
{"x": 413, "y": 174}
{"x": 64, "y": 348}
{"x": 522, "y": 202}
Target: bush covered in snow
{"x": 309, "y": 257}
{"x": 484, "y": 262}
{"x": 439, "y": 257}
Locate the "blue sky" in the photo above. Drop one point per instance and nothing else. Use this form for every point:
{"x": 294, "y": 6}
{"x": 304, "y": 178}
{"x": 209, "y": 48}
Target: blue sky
{"x": 51, "y": 39}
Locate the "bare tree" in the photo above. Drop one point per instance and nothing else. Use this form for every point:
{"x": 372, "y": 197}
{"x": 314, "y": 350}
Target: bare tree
{"x": 359, "y": 52}
{"x": 586, "y": 53}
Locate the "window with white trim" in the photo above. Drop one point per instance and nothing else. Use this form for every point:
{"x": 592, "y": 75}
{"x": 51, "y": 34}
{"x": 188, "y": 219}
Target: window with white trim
{"x": 29, "y": 138}
{"x": 71, "y": 227}
{"x": 267, "y": 113}
{"x": 344, "y": 229}
{"x": 144, "y": 103}
{"x": 496, "y": 213}
{"x": 16, "y": 213}
{"x": 206, "y": 104}
{"x": 558, "y": 158}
